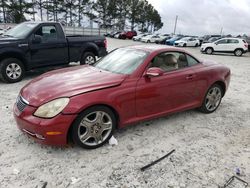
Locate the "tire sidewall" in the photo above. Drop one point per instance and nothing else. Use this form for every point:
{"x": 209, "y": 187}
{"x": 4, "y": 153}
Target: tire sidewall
{"x": 3, "y": 66}
{"x": 235, "y": 52}
{"x": 85, "y": 55}
{"x": 207, "y": 49}
{"x": 203, "y": 107}
{"x": 76, "y": 123}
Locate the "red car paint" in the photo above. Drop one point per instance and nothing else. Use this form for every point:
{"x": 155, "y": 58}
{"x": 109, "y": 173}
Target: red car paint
{"x": 132, "y": 97}
{"x": 127, "y": 35}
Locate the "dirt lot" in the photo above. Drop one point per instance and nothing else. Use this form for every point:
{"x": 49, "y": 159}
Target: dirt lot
{"x": 208, "y": 147}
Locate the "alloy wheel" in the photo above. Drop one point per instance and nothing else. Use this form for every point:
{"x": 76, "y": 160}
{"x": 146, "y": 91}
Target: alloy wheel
{"x": 213, "y": 98}
{"x": 238, "y": 52}
{"x": 13, "y": 71}
{"x": 89, "y": 60}
{"x": 95, "y": 128}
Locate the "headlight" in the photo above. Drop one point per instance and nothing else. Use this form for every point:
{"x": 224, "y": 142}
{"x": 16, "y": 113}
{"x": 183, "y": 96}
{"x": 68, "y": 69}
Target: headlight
{"x": 52, "y": 108}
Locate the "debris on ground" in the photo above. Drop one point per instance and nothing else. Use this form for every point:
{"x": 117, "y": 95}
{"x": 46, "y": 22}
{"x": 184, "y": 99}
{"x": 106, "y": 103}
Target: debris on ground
{"x": 237, "y": 171}
{"x": 158, "y": 160}
{"x": 235, "y": 182}
{"x": 45, "y": 184}
{"x": 16, "y": 171}
{"x": 130, "y": 147}
{"x": 113, "y": 141}
{"x": 74, "y": 180}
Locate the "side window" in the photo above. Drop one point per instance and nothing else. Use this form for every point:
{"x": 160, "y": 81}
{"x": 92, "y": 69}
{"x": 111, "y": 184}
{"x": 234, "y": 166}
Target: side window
{"x": 170, "y": 61}
{"x": 191, "y": 61}
{"x": 223, "y": 41}
{"x": 48, "y": 33}
{"x": 233, "y": 41}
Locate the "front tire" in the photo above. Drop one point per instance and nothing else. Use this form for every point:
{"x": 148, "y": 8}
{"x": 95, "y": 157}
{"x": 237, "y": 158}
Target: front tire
{"x": 88, "y": 58}
{"x": 238, "y": 52}
{"x": 184, "y": 45}
{"x": 93, "y": 127}
{"x": 11, "y": 70}
{"x": 212, "y": 99}
{"x": 209, "y": 51}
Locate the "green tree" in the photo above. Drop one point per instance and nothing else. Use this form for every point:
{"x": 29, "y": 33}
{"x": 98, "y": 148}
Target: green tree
{"x": 133, "y": 13}
{"x": 101, "y": 8}
{"x": 4, "y": 8}
{"x": 17, "y": 9}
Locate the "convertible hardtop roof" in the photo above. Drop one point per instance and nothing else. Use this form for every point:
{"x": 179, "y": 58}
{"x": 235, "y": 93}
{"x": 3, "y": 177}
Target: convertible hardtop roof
{"x": 152, "y": 48}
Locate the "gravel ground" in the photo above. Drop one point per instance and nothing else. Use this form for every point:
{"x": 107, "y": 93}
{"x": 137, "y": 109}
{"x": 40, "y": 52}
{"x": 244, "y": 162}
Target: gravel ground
{"x": 208, "y": 147}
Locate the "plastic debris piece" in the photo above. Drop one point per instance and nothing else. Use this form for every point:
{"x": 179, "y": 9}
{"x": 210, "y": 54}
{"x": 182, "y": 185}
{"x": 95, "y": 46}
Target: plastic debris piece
{"x": 237, "y": 171}
{"x": 113, "y": 141}
{"x": 74, "y": 180}
{"x": 158, "y": 160}
{"x": 16, "y": 171}
{"x": 235, "y": 182}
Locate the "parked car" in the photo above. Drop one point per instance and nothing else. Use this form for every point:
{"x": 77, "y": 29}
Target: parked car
{"x": 187, "y": 41}
{"x": 162, "y": 39}
{"x": 205, "y": 38}
{"x": 172, "y": 40}
{"x": 138, "y": 37}
{"x": 127, "y": 35}
{"x": 212, "y": 39}
{"x": 129, "y": 85}
{"x": 226, "y": 45}
{"x": 32, "y": 45}
{"x": 115, "y": 34}
{"x": 150, "y": 38}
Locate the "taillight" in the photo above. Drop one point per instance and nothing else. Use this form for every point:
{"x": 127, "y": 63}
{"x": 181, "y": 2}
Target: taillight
{"x": 246, "y": 45}
{"x": 105, "y": 43}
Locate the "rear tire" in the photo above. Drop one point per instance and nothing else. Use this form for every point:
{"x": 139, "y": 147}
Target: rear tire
{"x": 185, "y": 45}
{"x": 93, "y": 127}
{"x": 148, "y": 41}
{"x": 209, "y": 51}
{"x": 238, "y": 52}
{"x": 196, "y": 45}
{"x": 11, "y": 70}
{"x": 88, "y": 58}
{"x": 212, "y": 99}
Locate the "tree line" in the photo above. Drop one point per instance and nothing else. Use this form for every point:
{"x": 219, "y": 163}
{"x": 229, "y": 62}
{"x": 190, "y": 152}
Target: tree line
{"x": 116, "y": 14}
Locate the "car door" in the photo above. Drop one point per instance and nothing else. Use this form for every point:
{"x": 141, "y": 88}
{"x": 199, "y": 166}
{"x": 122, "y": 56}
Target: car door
{"x": 221, "y": 45}
{"x": 51, "y": 49}
{"x": 172, "y": 91}
{"x": 233, "y": 44}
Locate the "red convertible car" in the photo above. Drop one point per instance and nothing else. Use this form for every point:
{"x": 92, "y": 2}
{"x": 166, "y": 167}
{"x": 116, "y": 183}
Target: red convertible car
{"x": 131, "y": 84}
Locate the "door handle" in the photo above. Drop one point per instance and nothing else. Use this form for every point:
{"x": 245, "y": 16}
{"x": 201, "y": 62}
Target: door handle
{"x": 190, "y": 77}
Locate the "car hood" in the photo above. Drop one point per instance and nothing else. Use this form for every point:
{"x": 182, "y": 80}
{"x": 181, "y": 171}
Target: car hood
{"x": 68, "y": 82}
{"x": 8, "y": 41}
{"x": 207, "y": 44}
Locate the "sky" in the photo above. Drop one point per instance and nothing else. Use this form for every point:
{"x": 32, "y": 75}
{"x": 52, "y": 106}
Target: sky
{"x": 200, "y": 17}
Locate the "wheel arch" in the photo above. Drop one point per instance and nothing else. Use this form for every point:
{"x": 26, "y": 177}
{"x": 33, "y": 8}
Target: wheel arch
{"x": 90, "y": 48}
{"x": 16, "y": 55}
{"x": 222, "y": 85}
{"x": 209, "y": 47}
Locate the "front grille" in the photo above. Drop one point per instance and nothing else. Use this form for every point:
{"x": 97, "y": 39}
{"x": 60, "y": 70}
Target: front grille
{"x": 20, "y": 103}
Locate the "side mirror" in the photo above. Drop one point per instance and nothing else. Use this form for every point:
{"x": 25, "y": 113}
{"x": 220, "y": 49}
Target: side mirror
{"x": 36, "y": 39}
{"x": 154, "y": 72}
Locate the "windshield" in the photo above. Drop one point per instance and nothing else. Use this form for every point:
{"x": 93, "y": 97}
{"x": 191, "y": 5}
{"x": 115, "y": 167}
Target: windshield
{"x": 122, "y": 61}
{"x": 185, "y": 39}
{"x": 21, "y": 31}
